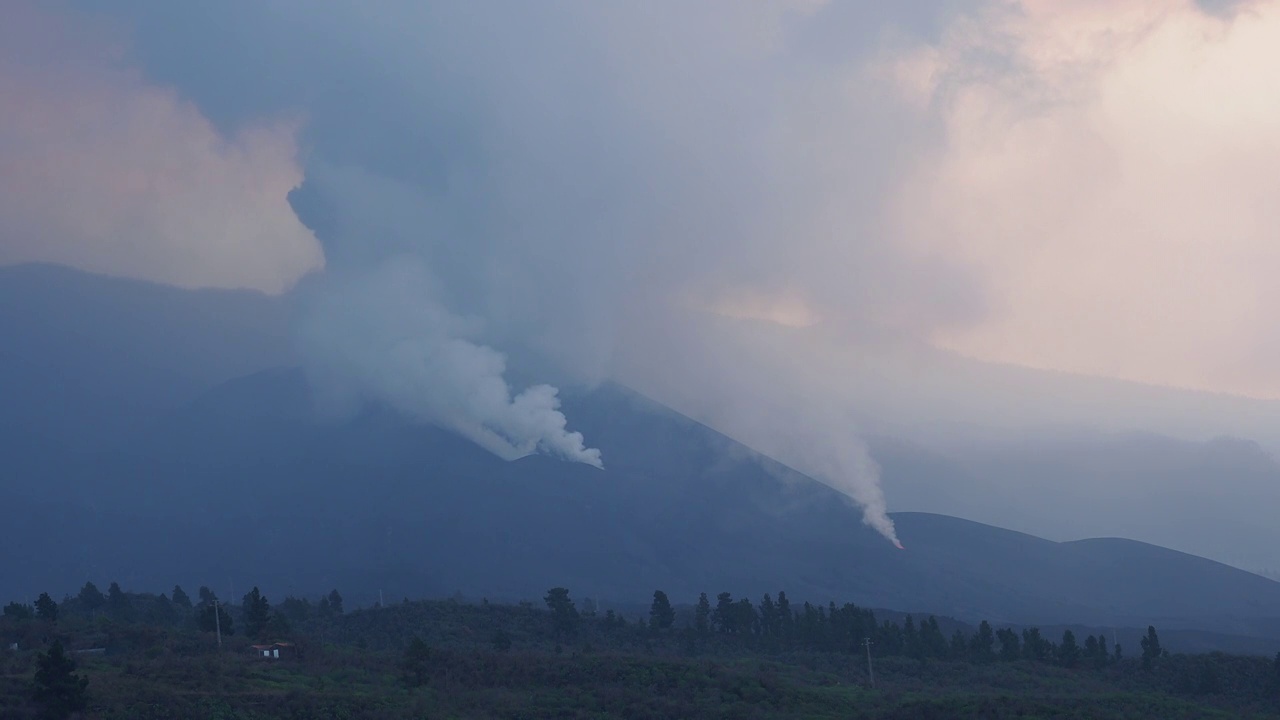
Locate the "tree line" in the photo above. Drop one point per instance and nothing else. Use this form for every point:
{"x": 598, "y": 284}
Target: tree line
{"x": 258, "y": 619}
{"x": 775, "y": 625}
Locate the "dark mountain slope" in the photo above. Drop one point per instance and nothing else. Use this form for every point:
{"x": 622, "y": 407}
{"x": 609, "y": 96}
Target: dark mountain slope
{"x": 244, "y": 487}
{"x": 85, "y": 357}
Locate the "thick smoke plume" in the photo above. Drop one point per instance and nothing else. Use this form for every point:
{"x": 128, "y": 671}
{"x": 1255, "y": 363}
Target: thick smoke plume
{"x": 382, "y": 336}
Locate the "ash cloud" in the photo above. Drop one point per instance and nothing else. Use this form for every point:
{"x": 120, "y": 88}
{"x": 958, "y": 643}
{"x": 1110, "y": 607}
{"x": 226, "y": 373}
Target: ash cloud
{"x": 586, "y": 184}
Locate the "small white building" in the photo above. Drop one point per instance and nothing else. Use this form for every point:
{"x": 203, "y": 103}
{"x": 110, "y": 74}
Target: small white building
{"x": 274, "y": 651}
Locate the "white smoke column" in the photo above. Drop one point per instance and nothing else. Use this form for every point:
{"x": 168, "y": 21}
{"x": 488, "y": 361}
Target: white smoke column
{"x": 381, "y": 336}
{"x": 847, "y": 466}
{"x": 842, "y": 463}
{"x": 764, "y": 385}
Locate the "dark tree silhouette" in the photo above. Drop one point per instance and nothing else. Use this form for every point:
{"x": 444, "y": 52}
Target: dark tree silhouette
{"x": 160, "y": 611}
{"x": 784, "y": 615}
{"x": 180, "y": 598}
{"x": 564, "y": 616}
{"x": 46, "y": 608}
{"x": 661, "y": 615}
{"x": 415, "y": 666}
{"x": 335, "y": 602}
{"x": 257, "y": 613}
{"x": 118, "y": 604}
{"x": 702, "y": 615}
{"x": 57, "y": 690}
{"x": 911, "y": 643}
{"x": 211, "y": 616}
{"x": 91, "y": 598}
{"x": 1150, "y": 646}
{"x": 982, "y": 647}
{"x": 19, "y": 611}
{"x": 1034, "y": 646}
{"x": 745, "y": 619}
{"x": 296, "y": 609}
{"x": 724, "y": 616}
{"x": 769, "y": 618}
{"x": 1069, "y": 650}
{"x": 1010, "y": 647}
{"x": 931, "y": 637}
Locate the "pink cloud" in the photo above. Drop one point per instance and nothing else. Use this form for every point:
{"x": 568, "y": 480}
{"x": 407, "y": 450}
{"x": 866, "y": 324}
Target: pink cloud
{"x": 1110, "y": 176}
{"x": 103, "y": 170}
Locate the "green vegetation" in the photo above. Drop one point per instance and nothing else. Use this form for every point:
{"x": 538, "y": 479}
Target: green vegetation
{"x": 156, "y": 656}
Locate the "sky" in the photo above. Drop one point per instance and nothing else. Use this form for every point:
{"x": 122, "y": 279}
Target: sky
{"x": 1079, "y": 186}
{"x": 1084, "y": 187}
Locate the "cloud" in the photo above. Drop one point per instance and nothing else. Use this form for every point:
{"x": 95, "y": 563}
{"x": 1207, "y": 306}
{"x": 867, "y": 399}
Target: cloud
{"x": 1081, "y": 185}
{"x": 1106, "y": 170}
{"x": 103, "y": 170}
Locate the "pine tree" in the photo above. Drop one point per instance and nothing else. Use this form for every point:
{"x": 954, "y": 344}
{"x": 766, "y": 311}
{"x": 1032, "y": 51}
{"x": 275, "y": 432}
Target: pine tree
{"x": 564, "y": 616}
{"x": 768, "y": 616}
{"x": 257, "y": 613}
{"x": 335, "y": 602}
{"x": 57, "y": 689}
{"x": 723, "y": 616}
{"x": 1010, "y": 647}
{"x": 1033, "y": 644}
{"x": 1068, "y": 651}
{"x": 982, "y": 647}
{"x": 161, "y": 611}
{"x": 702, "y": 615}
{"x": 118, "y": 604}
{"x": 180, "y": 598}
{"x": 661, "y": 614}
{"x": 46, "y": 608}
{"x": 785, "y": 619}
{"x": 1150, "y": 646}
{"x": 91, "y": 598}
{"x": 911, "y": 639}
{"x": 745, "y": 618}
{"x": 931, "y": 637}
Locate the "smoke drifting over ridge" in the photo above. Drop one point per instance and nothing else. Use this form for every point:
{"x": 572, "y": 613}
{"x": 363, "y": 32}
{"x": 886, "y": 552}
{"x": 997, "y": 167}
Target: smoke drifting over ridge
{"x": 594, "y": 211}
{"x": 580, "y": 183}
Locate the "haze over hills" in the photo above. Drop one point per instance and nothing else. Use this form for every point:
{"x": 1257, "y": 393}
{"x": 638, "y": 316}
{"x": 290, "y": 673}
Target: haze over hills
{"x": 243, "y": 484}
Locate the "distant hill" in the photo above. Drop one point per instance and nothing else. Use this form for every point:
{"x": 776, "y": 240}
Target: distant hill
{"x": 1215, "y": 497}
{"x": 243, "y": 487}
{"x": 86, "y": 356}
{"x": 136, "y": 448}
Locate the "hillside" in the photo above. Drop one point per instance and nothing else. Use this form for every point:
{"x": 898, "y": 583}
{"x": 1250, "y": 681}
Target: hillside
{"x": 87, "y": 357}
{"x": 244, "y": 484}
{"x": 129, "y": 458}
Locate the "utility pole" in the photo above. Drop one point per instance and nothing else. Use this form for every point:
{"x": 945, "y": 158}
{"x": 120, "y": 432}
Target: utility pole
{"x": 871, "y": 673}
{"x": 217, "y": 621}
